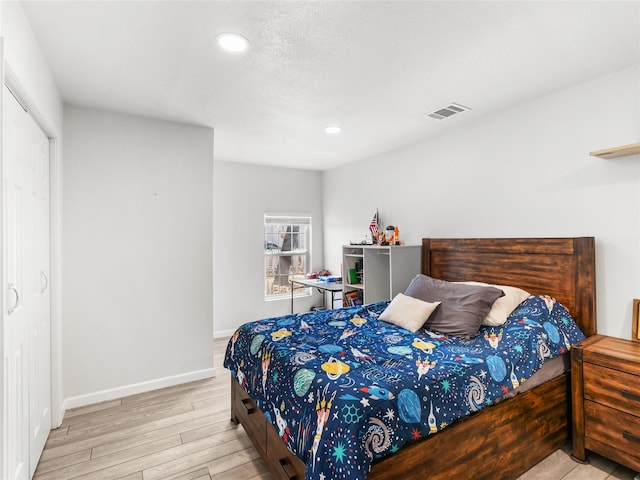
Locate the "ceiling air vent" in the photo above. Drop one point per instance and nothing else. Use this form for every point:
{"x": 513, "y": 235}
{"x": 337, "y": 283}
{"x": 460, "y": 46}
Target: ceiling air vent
{"x": 448, "y": 111}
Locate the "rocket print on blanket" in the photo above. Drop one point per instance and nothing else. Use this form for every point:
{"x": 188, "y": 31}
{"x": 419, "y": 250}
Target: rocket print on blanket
{"x": 423, "y": 366}
{"x": 323, "y": 409}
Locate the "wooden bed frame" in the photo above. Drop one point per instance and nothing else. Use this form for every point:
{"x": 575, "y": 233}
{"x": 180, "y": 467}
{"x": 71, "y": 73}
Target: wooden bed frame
{"x": 506, "y": 439}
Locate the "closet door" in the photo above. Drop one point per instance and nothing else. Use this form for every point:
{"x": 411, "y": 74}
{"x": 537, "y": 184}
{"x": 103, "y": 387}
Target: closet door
{"x": 38, "y": 296}
{"x": 16, "y": 316}
{"x": 26, "y": 322}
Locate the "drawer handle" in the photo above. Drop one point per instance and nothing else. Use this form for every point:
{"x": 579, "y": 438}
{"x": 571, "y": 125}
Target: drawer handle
{"x": 248, "y": 406}
{"x": 633, "y": 438}
{"x": 631, "y": 396}
{"x": 285, "y": 464}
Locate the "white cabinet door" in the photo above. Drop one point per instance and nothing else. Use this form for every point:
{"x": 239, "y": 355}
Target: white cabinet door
{"x": 26, "y": 321}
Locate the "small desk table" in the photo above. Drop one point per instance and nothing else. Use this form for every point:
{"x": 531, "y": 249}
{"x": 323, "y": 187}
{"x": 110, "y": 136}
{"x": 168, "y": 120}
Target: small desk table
{"x": 321, "y": 286}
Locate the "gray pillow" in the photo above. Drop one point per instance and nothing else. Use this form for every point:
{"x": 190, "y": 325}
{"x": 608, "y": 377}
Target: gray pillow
{"x": 462, "y": 308}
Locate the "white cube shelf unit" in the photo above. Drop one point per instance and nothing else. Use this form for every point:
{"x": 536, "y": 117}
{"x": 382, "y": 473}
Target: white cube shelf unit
{"x": 382, "y": 271}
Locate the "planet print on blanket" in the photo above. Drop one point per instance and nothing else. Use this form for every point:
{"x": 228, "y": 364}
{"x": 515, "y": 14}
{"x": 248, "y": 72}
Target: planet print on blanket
{"x": 302, "y": 381}
{"x": 330, "y": 349}
{"x": 497, "y": 368}
{"x": 409, "y": 406}
{"x": 334, "y": 368}
{"x": 400, "y": 350}
{"x": 255, "y": 344}
{"x": 552, "y": 331}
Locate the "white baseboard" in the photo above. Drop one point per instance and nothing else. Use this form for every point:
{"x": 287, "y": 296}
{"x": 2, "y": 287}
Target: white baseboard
{"x": 223, "y": 333}
{"x": 124, "y": 391}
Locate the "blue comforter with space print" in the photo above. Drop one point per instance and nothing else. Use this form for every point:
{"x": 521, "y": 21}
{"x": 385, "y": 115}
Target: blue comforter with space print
{"x": 343, "y": 388}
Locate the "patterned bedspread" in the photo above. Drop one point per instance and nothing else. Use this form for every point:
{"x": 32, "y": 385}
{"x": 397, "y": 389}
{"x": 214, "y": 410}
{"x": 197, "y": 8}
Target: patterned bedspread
{"x": 343, "y": 388}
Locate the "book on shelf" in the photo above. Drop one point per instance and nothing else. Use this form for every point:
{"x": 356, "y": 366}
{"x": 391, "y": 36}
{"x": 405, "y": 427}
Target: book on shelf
{"x": 352, "y": 299}
{"x": 355, "y": 276}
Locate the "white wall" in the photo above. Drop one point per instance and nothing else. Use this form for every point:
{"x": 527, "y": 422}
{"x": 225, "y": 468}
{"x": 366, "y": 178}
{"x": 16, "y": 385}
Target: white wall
{"x": 521, "y": 172}
{"x": 137, "y": 254}
{"x": 242, "y": 194}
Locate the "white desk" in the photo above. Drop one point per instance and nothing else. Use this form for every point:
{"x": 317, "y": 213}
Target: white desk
{"x": 321, "y": 286}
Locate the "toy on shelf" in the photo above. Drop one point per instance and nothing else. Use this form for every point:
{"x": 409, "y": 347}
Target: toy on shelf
{"x": 389, "y": 236}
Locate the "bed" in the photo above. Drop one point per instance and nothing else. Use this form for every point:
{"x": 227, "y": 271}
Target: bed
{"x": 501, "y": 440}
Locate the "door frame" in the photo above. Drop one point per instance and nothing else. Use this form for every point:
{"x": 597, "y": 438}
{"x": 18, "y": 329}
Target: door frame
{"x": 55, "y": 233}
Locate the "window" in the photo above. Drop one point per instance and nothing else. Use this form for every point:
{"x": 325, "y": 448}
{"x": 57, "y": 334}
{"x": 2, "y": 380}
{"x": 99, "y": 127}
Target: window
{"x": 287, "y": 254}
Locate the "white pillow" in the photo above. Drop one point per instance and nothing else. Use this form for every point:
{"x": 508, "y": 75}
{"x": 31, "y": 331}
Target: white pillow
{"x": 502, "y": 307}
{"x": 408, "y": 312}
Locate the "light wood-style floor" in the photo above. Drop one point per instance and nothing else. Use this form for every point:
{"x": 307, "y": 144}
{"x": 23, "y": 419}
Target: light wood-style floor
{"x": 184, "y": 432}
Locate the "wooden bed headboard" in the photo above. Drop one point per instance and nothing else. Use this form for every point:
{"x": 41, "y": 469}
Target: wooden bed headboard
{"x": 563, "y": 268}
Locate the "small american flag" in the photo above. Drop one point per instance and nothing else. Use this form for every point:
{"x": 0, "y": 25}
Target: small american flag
{"x": 374, "y": 226}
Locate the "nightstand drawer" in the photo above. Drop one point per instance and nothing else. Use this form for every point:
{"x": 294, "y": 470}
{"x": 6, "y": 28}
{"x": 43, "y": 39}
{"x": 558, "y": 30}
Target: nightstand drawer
{"x": 613, "y": 388}
{"x": 612, "y": 427}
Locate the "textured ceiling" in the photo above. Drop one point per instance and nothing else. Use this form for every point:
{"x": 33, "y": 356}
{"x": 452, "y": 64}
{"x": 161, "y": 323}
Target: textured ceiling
{"x": 374, "y": 68}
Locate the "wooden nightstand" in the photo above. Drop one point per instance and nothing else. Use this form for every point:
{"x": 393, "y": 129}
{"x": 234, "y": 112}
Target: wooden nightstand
{"x": 605, "y": 379}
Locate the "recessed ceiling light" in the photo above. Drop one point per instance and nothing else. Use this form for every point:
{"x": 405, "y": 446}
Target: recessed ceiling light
{"x": 233, "y": 42}
{"x": 333, "y": 130}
